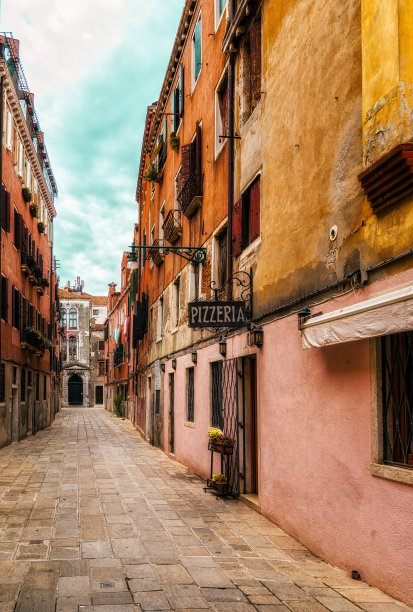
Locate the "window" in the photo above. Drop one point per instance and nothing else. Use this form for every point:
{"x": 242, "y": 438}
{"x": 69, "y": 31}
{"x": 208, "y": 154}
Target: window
{"x": 222, "y": 259}
{"x": 4, "y": 298}
{"x": 219, "y": 9}
{"x": 101, "y": 345}
{"x": 397, "y": 398}
{"x": 161, "y": 221}
{"x": 194, "y": 278}
{"x": 196, "y": 51}
{"x": 95, "y": 313}
{"x": 5, "y": 210}
{"x": 37, "y": 387}
{"x": 221, "y": 113}
{"x": 72, "y": 318}
{"x": 190, "y": 379}
{"x": 18, "y": 230}
{"x": 101, "y": 368}
{"x": 16, "y": 308}
{"x": 23, "y": 386}
{"x": 251, "y": 69}
{"x": 72, "y": 348}
{"x": 246, "y": 218}
{"x": 44, "y": 387}
{"x": 9, "y": 129}
{"x": 2, "y": 383}
{"x": 163, "y": 144}
{"x": 177, "y": 102}
{"x": 29, "y": 378}
{"x": 64, "y": 349}
{"x": 159, "y": 326}
{"x": 217, "y": 416}
{"x": 176, "y": 303}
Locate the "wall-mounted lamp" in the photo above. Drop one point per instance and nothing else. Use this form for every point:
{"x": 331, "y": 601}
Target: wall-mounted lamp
{"x": 222, "y": 347}
{"x": 194, "y": 356}
{"x": 258, "y": 336}
{"x": 173, "y": 362}
{"x": 163, "y": 366}
{"x": 132, "y": 263}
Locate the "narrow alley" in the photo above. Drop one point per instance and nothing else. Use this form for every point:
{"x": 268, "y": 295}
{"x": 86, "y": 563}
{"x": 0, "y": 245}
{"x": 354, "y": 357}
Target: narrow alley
{"x": 94, "y": 518}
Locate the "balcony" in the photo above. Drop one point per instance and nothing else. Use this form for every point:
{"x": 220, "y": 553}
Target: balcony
{"x": 27, "y": 263}
{"x": 190, "y": 196}
{"x": 157, "y": 254}
{"x": 172, "y": 227}
{"x": 33, "y": 341}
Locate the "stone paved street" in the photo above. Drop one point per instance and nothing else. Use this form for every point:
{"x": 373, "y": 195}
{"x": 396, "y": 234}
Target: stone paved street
{"x": 93, "y": 518}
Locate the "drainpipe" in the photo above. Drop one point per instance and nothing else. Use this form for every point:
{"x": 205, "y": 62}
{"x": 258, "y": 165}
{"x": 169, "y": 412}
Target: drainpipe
{"x": 1, "y": 155}
{"x": 231, "y": 88}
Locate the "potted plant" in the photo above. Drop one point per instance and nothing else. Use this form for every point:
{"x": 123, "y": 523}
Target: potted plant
{"x": 34, "y": 210}
{"x": 220, "y": 443}
{"x": 152, "y": 174}
{"x": 174, "y": 141}
{"x": 118, "y": 401}
{"x": 41, "y": 227}
{"x": 27, "y": 194}
{"x": 218, "y": 482}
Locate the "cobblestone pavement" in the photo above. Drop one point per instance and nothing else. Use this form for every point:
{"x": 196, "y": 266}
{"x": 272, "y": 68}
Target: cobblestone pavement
{"x": 93, "y": 518}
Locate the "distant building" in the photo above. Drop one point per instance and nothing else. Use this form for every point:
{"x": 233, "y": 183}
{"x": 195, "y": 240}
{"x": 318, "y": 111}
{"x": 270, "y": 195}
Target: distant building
{"x": 29, "y": 356}
{"x": 82, "y": 345}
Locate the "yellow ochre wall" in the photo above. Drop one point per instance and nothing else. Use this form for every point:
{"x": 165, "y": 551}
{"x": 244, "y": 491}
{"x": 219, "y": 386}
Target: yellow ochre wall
{"x": 316, "y": 93}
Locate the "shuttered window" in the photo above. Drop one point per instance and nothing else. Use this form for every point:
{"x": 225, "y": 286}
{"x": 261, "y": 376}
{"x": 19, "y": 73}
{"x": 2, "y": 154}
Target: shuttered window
{"x": 178, "y": 101}
{"x": 5, "y": 210}
{"x": 4, "y": 298}
{"x": 16, "y": 308}
{"x": 18, "y": 230}
{"x": 246, "y": 218}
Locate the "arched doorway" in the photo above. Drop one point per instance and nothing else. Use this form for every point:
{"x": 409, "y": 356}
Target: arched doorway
{"x": 75, "y": 391}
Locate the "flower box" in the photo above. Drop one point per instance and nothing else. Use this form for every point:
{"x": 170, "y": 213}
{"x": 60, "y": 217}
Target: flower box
{"x": 223, "y": 449}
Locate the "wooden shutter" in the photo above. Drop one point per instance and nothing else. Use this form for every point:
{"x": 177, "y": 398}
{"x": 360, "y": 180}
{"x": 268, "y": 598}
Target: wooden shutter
{"x": 18, "y": 230}
{"x": 255, "y": 54}
{"x": 5, "y": 210}
{"x": 24, "y": 313}
{"x": 255, "y": 210}
{"x": 188, "y": 155}
{"x": 4, "y": 298}
{"x": 25, "y": 238}
{"x": 237, "y": 228}
{"x": 198, "y": 149}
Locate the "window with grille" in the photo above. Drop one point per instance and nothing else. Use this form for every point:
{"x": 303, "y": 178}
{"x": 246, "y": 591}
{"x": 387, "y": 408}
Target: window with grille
{"x": 217, "y": 416}
{"x": 397, "y": 398}
{"x": 190, "y": 409}
{"x": 2, "y": 383}
{"x": 73, "y": 318}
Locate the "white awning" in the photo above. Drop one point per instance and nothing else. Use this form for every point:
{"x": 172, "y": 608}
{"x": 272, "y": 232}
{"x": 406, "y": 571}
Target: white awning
{"x": 388, "y": 313}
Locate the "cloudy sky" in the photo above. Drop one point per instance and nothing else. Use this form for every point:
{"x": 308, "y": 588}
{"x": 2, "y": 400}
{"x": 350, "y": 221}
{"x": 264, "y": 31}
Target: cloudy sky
{"x": 94, "y": 66}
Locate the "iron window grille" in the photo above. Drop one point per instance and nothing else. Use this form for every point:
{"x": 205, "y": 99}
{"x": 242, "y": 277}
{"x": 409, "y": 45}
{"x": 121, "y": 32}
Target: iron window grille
{"x": 190, "y": 411}
{"x": 217, "y": 417}
{"x": 397, "y": 398}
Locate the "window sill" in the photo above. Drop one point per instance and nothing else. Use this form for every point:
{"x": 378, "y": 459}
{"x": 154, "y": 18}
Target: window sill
{"x": 190, "y": 424}
{"x": 250, "y": 248}
{"x": 390, "y": 472}
{"x": 159, "y": 339}
{"x": 173, "y": 331}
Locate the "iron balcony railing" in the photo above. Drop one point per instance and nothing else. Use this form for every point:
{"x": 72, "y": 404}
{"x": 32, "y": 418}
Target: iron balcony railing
{"x": 157, "y": 254}
{"x": 190, "y": 196}
{"x": 32, "y": 340}
{"x": 172, "y": 227}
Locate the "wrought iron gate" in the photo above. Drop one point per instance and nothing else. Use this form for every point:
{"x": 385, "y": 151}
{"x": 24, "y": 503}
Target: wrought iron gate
{"x": 225, "y": 411}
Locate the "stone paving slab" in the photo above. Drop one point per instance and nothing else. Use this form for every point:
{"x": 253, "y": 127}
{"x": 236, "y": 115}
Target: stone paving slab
{"x": 92, "y": 518}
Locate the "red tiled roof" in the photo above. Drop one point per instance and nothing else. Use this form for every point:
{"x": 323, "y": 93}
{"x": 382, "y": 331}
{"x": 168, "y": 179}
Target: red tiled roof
{"x": 97, "y": 300}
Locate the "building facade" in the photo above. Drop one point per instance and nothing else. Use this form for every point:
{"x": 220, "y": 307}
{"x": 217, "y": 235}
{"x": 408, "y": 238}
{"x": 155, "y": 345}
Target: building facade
{"x": 289, "y": 202}
{"x": 82, "y": 319}
{"x": 29, "y": 356}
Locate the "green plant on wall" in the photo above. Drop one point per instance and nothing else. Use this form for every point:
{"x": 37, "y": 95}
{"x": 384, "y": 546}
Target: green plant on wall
{"x": 118, "y": 401}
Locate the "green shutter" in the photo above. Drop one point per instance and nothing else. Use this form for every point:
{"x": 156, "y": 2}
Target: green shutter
{"x": 181, "y": 91}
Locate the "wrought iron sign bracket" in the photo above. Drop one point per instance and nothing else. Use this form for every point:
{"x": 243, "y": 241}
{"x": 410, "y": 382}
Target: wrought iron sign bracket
{"x": 192, "y": 254}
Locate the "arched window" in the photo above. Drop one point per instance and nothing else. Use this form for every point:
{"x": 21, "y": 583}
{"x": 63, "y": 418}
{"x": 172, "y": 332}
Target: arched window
{"x": 73, "y": 318}
{"x": 72, "y": 348}
{"x": 64, "y": 349}
{"x": 63, "y": 318}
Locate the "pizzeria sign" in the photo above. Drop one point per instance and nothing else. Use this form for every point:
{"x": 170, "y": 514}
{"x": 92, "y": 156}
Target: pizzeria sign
{"x": 217, "y": 314}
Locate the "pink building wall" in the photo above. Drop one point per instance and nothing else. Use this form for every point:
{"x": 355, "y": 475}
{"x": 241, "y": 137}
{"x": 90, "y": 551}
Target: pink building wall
{"x": 314, "y": 431}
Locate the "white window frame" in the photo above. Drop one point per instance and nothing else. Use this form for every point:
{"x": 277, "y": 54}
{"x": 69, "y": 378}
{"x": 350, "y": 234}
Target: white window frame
{"x": 159, "y": 322}
{"x": 194, "y": 80}
{"x": 219, "y": 142}
{"x": 218, "y": 17}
